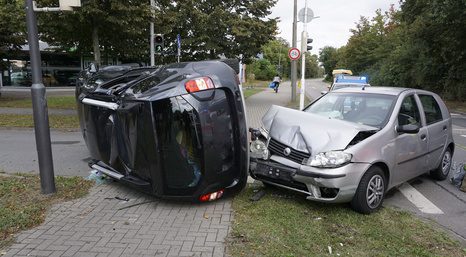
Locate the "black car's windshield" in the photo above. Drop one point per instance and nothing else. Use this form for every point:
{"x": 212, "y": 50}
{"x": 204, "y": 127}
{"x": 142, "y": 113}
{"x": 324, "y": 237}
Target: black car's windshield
{"x": 368, "y": 109}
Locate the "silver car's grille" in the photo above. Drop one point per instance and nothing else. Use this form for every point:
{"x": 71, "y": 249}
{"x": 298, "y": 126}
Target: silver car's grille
{"x": 278, "y": 148}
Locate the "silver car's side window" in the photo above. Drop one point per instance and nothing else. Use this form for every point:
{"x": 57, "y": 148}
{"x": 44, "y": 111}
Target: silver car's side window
{"x": 409, "y": 112}
{"x": 431, "y": 109}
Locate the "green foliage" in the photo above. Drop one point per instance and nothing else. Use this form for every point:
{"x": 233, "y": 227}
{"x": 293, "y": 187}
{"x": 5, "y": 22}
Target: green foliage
{"x": 210, "y": 29}
{"x": 12, "y": 27}
{"x": 328, "y": 56}
{"x": 422, "y": 45}
{"x": 276, "y": 51}
{"x": 122, "y": 26}
{"x": 263, "y": 69}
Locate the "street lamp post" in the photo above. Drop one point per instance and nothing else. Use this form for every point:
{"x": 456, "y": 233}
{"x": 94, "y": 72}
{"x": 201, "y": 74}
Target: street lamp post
{"x": 39, "y": 106}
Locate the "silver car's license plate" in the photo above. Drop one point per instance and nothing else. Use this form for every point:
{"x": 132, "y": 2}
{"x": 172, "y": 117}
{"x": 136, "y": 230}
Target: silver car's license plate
{"x": 275, "y": 171}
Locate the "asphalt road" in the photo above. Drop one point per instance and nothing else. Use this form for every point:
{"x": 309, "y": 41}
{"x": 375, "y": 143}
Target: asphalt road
{"x": 441, "y": 194}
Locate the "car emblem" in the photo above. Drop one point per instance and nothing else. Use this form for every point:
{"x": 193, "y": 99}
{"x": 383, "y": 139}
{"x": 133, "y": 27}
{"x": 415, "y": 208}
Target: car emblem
{"x": 287, "y": 151}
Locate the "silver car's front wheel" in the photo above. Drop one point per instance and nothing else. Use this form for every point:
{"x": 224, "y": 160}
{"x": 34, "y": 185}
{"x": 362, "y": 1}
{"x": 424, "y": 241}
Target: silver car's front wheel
{"x": 374, "y": 192}
{"x": 371, "y": 191}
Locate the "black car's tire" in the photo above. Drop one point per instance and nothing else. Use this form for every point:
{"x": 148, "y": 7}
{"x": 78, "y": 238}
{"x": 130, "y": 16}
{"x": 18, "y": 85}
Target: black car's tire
{"x": 441, "y": 172}
{"x": 371, "y": 191}
{"x": 233, "y": 63}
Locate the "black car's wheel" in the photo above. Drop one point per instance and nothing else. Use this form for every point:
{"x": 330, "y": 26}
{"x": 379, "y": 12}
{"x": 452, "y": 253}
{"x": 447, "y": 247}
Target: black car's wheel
{"x": 371, "y": 191}
{"x": 441, "y": 172}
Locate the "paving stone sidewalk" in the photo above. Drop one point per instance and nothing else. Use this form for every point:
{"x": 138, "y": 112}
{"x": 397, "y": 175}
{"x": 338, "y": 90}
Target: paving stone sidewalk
{"x": 100, "y": 225}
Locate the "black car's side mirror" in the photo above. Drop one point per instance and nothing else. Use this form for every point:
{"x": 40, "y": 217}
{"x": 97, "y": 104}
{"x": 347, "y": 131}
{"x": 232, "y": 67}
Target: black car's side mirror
{"x": 410, "y": 129}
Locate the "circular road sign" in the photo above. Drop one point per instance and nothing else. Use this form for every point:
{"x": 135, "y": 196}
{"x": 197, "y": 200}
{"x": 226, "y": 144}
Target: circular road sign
{"x": 306, "y": 18}
{"x": 294, "y": 53}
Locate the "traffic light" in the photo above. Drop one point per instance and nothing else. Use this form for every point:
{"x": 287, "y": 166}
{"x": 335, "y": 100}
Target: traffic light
{"x": 158, "y": 43}
{"x": 309, "y": 47}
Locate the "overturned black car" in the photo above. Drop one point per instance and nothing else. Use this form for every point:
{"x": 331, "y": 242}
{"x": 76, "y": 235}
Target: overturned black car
{"x": 178, "y": 131}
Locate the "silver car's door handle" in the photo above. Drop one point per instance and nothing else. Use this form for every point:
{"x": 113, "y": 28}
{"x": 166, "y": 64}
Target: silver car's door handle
{"x": 444, "y": 127}
{"x": 423, "y": 137}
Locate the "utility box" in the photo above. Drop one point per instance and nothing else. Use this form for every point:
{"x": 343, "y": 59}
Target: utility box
{"x": 68, "y": 5}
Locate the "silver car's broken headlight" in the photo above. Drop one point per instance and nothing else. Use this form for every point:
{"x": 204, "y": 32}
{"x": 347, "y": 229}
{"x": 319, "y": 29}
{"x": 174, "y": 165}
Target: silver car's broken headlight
{"x": 330, "y": 159}
{"x": 259, "y": 149}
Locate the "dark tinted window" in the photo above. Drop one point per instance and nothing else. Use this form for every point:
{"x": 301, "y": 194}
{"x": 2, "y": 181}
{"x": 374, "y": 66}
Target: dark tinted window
{"x": 409, "y": 112}
{"x": 431, "y": 109}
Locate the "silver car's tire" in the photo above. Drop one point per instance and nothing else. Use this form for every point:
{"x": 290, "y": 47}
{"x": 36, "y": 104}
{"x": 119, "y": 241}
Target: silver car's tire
{"x": 441, "y": 172}
{"x": 371, "y": 191}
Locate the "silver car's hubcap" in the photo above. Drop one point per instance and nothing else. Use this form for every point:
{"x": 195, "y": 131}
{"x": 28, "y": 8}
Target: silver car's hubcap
{"x": 446, "y": 162}
{"x": 375, "y": 191}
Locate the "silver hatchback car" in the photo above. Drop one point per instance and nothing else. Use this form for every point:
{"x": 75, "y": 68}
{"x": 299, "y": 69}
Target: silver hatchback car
{"x": 354, "y": 144}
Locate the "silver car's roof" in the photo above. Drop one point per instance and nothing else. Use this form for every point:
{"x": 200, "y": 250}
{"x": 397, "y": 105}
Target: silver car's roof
{"x": 377, "y": 90}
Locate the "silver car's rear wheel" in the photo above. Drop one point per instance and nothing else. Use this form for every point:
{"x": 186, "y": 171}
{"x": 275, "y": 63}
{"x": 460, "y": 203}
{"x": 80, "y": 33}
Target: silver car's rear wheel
{"x": 371, "y": 191}
{"x": 441, "y": 172}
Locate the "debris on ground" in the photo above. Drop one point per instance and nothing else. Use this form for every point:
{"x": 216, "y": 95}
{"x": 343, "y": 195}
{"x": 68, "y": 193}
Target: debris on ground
{"x": 257, "y": 196}
{"x": 118, "y": 198}
{"x": 97, "y": 176}
{"x": 458, "y": 178}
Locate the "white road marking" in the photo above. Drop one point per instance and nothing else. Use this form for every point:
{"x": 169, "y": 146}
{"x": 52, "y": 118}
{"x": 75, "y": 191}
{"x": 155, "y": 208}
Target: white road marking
{"x": 420, "y": 201}
{"x": 463, "y": 135}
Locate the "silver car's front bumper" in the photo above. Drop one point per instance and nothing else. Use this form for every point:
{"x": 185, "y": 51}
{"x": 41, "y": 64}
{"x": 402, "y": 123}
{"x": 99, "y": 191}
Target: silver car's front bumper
{"x": 320, "y": 184}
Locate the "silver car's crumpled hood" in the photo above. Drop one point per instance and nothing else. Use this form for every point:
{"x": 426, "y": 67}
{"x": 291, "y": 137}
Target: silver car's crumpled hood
{"x": 309, "y": 132}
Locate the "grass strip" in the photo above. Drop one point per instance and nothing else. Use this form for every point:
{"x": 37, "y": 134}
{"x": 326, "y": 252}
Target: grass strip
{"x": 23, "y": 207}
{"x": 251, "y": 91}
{"x": 53, "y": 102}
{"x": 285, "y": 224}
{"x": 26, "y": 121}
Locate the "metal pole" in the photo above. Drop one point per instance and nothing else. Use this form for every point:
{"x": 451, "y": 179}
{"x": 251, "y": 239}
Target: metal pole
{"x": 152, "y": 50}
{"x": 294, "y": 75}
{"x": 39, "y": 106}
{"x": 303, "y": 58}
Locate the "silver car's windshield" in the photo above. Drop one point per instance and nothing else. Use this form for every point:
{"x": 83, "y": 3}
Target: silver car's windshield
{"x": 368, "y": 109}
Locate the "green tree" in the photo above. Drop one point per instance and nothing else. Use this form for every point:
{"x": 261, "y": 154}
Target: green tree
{"x": 329, "y": 58}
{"x": 276, "y": 51}
{"x": 119, "y": 27}
{"x": 262, "y": 69}
{"x": 12, "y": 27}
{"x": 210, "y": 29}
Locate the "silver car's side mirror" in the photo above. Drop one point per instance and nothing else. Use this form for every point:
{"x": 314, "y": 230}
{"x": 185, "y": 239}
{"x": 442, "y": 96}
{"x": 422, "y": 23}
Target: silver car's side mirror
{"x": 410, "y": 129}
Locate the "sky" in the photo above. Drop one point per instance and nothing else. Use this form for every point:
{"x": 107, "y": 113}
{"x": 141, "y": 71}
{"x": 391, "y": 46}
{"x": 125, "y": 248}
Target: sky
{"x": 337, "y": 17}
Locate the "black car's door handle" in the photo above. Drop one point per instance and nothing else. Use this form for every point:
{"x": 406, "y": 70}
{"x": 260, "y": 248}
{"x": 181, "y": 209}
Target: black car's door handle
{"x": 423, "y": 137}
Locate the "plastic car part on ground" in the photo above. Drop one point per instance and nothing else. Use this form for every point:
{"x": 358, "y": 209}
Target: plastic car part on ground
{"x": 458, "y": 178}
{"x": 98, "y": 177}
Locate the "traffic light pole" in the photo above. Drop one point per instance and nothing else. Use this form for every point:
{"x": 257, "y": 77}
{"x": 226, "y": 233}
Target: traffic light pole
{"x": 294, "y": 75}
{"x": 303, "y": 59}
{"x": 39, "y": 106}
{"x": 152, "y": 50}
